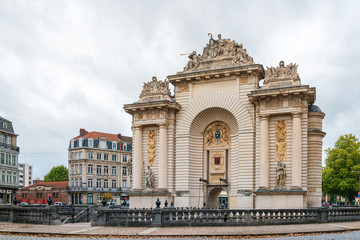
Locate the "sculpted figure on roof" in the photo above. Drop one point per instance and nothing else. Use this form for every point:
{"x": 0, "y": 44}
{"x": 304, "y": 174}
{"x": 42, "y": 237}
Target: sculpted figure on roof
{"x": 289, "y": 71}
{"x": 155, "y": 90}
{"x": 220, "y": 49}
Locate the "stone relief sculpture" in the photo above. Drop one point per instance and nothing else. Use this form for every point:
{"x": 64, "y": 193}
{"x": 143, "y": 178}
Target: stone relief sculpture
{"x": 280, "y": 141}
{"x": 218, "y": 49}
{"x": 280, "y": 175}
{"x": 151, "y": 147}
{"x": 155, "y": 90}
{"x": 149, "y": 178}
{"x": 282, "y": 72}
{"x": 216, "y": 134}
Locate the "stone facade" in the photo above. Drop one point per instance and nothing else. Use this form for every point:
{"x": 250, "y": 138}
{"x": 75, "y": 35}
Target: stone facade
{"x": 224, "y": 132}
{"x": 9, "y": 153}
{"x": 99, "y": 163}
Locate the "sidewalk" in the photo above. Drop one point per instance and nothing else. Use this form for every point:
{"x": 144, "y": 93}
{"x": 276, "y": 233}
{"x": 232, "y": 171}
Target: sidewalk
{"x": 85, "y": 229}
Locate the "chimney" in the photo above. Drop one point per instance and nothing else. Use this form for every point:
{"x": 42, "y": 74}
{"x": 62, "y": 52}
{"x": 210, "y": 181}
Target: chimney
{"x": 119, "y": 135}
{"x": 83, "y": 132}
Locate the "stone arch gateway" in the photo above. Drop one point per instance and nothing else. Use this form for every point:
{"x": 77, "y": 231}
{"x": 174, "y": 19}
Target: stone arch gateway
{"x": 223, "y": 131}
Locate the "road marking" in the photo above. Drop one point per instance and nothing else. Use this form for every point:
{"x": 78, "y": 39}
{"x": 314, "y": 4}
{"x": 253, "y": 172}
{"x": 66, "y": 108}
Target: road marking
{"x": 148, "y": 231}
{"x": 84, "y": 230}
{"x": 338, "y": 225}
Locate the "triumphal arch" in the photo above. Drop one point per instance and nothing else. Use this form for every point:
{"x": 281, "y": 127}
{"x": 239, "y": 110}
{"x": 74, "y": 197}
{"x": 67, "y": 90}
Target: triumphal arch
{"x": 231, "y": 127}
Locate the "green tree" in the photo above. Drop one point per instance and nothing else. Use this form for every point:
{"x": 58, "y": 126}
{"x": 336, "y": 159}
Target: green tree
{"x": 341, "y": 174}
{"x": 107, "y": 196}
{"x": 57, "y": 174}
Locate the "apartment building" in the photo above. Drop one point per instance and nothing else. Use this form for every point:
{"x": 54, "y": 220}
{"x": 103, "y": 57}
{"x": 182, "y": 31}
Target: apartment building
{"x": 9, "y": 152}
{"x": 25, "y": 175}
{"x": 99, "y": 163}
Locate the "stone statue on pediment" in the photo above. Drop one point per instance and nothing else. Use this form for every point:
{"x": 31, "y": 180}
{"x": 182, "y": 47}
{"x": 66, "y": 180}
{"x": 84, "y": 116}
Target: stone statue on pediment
{"x": 227, "y": 53}
{"x": 282, "y": 72}
{"x": 155, "y": 90}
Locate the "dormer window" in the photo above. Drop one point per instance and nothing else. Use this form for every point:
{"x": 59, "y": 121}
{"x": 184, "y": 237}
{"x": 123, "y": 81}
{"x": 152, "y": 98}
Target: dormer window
{"x": 4, "y": 125}
{"x": 102, "y": 144}
{"x": 114, "y": 145}
{"x": 91, "y": 142}
{"x": 124, "y": 146}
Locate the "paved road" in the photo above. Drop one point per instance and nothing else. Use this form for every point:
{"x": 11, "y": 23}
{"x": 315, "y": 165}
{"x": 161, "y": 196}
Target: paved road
{"x": 341, "y": 236}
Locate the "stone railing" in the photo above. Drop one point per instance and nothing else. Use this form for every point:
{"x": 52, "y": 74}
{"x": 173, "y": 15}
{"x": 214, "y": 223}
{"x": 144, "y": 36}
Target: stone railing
{"x": 174, "y": 217}
{"x": 27, "y": 214}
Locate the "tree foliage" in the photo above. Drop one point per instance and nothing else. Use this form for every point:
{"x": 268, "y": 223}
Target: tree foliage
{"x": 107, "y": 196}
{"x": 341, "y": 174}
{"x": 57, "y": 174}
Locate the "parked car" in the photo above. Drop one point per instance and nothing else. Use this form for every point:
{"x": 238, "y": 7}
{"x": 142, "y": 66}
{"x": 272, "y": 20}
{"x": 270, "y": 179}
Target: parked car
{"x": 59, "y": 204}
{"x": 110, "y": 204}
{"x": 24, "y": 203}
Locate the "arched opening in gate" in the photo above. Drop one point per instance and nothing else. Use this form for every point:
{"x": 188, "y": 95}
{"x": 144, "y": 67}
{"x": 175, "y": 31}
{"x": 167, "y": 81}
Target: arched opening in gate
{"x": 218, "y": 197}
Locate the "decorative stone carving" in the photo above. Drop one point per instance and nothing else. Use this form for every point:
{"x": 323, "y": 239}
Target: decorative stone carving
{"x": 281, "y": 76}
{"x": 220, "y": 49}
{"x": 217, "y": 134}
{"x": 217, "y": 161}
{"x": 151, "y": 147}
{"x": 149, "y": 178}
{"x": 280, "y": 141}
{"x": 155, "y": 91}
{"x": 280, "y": 175}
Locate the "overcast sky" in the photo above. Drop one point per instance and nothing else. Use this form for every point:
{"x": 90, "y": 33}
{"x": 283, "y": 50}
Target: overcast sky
{"x": 66, "y": 65}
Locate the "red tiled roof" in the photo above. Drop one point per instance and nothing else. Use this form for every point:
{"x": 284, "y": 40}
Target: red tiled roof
{"x": 62, "y": 184}
{"x": 96, "y": 135}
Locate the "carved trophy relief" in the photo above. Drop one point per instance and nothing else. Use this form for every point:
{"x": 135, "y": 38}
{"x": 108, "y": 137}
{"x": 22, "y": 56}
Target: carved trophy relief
{"x": 151, "y": 147}
{"x": 280, "y": 141}
{"x": 217, "y": 134}
{"x": 155, "y": 90}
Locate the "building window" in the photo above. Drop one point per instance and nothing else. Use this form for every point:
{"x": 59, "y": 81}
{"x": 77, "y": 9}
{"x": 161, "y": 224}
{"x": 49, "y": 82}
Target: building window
{"x": 113, "y": 184}
{"x": 8, "y": 138}
{"x": 98, "y": 183}
{"x": 114, "y": 145}
{"x": 72, "y": 182}
{"x": 72, "y": 169}
{"x": 90, "y": 155}
{"x": 80, "y": 168}
{"x": 124, "y": 147}
{"x": 90, "y": 169}
{"x": 113, "y": 171}
{"x": 76, "y": 169}
{"x": 124, "y": 184}
{"x": 90, "y": 198}
{"x": 98, "y": 156}
{"x": 124, "y": 159}
{"x": 113, "y": 156}
{"x": 80, "y": 182}
{"x": 2, "y": 158}
{"x": 90, "y": 183}
{"x": 76, "y": 182}
{"x": 98, "y": 169}
{"x": 13, "y": 160}
{"x": 2, "y": 139}
{"x": 102, "y": 144}
{"x": 106, "y": 170}
{"x": 91, "y": 142}
{"x": 106, "y": 156}
{"x": 106, "y": 184}
{"x": 76, "y": 155}
{"x": 72, "y": 156}
{"x": 124, "y": 171}
{"x": 80, "y": 142}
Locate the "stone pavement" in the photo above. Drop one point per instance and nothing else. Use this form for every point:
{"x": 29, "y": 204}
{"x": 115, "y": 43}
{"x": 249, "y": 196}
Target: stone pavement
{"x": 85, "y": 229}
